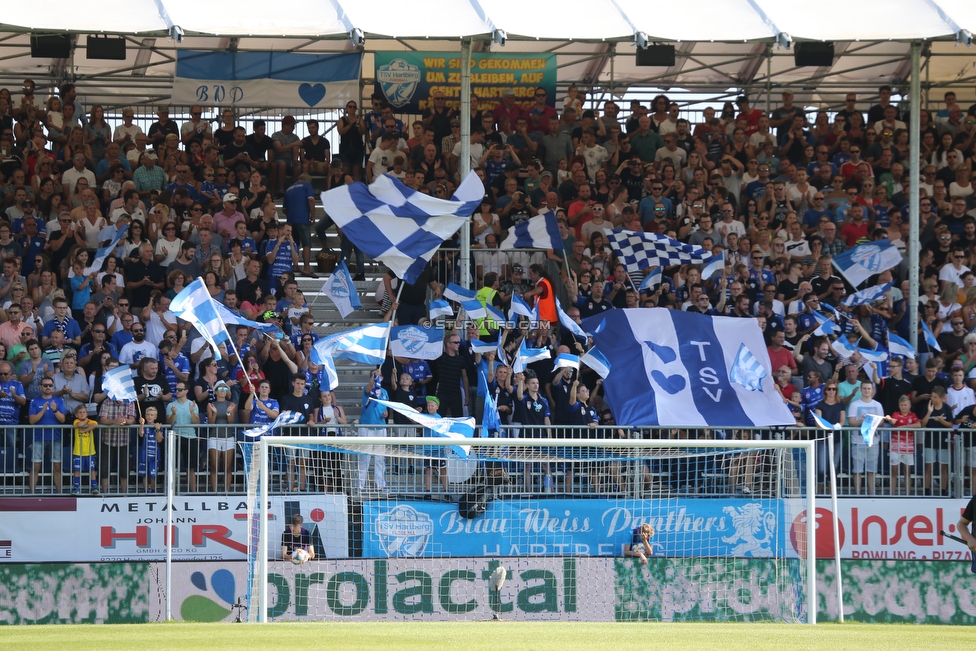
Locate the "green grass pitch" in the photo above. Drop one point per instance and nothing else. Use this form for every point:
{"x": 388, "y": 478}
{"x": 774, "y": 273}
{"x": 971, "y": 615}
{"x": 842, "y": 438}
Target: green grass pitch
{"x": 494, "y": 636}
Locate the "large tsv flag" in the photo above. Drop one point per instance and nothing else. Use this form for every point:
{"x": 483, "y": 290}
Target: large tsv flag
{"x": 678, "y": 369}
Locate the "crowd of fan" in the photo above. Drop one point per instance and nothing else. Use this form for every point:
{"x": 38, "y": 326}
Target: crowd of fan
{"x": 779, "y": 193}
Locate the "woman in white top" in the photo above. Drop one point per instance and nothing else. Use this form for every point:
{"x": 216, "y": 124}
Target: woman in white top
{"x": 91, "y": 224}
{"x": 618, "y": 199}
{"x": 168, "y": 246}
{"x": 133, "y": 240}
{"x": 111, "y": 266}
{"x": 599, "y": 253}
{"x": 485, "y": 221}
{"x": 329, "y": 416}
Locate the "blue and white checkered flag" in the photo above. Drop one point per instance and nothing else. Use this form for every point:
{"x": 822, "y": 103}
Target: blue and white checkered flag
{"x": 747, "y": 371}
{"x": 284, "y": 418}
{"x": 195, "y": 306}
{"x": 118, "y": 384}
{"x": 869, "y": 295}
{"x": 398, "y": 226}
{"x": 539, "y": 232}
{"x": 638, "y": 251}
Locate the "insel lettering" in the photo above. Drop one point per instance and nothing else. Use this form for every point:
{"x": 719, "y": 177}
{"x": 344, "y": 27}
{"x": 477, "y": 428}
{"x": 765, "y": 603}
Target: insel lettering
{"x": 414, "y": 591}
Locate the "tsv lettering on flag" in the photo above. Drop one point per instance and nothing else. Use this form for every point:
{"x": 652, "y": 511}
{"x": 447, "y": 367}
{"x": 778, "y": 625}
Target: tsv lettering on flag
{"x": 673, "y": 369}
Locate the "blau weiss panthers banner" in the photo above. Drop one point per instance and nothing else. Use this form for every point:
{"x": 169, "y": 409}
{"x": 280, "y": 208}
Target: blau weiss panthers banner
{"x": 266, "y": 79}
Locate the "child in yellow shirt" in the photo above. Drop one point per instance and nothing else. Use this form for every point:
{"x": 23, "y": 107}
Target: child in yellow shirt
{"x": 83, "y": 453}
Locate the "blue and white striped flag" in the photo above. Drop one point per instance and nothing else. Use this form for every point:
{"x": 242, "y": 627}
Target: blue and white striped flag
{"x": 284, "y": 418}
{"x": 366, "y": 345}
{"x": 898, "y": 346}
{"x": 459, "y": 294}
{"x": 642, "y": 250}
{"x": 862, "y": 262}
{"x": 398, "y": 226}
{"x": 844, "y": 348}
{"x": 869, "y": 426}
{"x": 474, "y": 309}
{"x": 568, "y": 323}
{"x": 482, "y": 347}
{"x": 453, "y": 428}
{"x": 490, "y": 420}
{"x": 869, "y": 295}
{"x": 929, "y": 337}
{"x": 651, "y": 281}
{"x": 341, "y": 290}
{"x": 827, "y": 327}
{"x": 823, "y": 424}
{"x": 496, "y": 318}
{"x": 118, "y": 384}
{"x": 539, "y": 232}
{"x": 672, "y": 369}
{"x": 747, "y": 371}
{"x": 596, "y": 361}
{"x": 521, "y": 308}
{"x": 440, "y": 307}
{"x": 103, "y": 253}
{"x": 195, "y": 306}
{"x": 715, "y": 266}
{"x": 528, "y": 356}
{"x": 565, "y": 360}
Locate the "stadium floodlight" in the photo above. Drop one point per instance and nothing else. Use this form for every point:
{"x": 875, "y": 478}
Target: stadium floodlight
{"x": 497, "y": 581}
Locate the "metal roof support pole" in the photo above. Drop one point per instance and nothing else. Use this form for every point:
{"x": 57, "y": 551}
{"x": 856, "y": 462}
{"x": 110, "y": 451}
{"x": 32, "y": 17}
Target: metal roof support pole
{"x": 913, "y": 224}
{"x": 769, "y": 80}
{"x": 465, "y": 162}
{"x": 613, "y": 55}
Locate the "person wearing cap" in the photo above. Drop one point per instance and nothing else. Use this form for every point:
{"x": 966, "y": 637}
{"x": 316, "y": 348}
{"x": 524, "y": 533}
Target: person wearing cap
{"x": 227, "y": 218}
{"x": 286, "y": 155}
{"x": 162, "y": 127}
{"x": 507, "y": 107}
{"x": 125, "y": 134}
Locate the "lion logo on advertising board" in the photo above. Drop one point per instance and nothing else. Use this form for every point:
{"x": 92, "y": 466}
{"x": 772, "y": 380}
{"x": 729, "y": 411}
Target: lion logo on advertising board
{"x": 754, "y": 530}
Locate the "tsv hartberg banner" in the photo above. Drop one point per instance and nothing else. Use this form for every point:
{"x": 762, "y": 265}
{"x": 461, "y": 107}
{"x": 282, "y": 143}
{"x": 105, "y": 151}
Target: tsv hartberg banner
{"x": 266, "y": 79}
{"x": 408, "y": 79}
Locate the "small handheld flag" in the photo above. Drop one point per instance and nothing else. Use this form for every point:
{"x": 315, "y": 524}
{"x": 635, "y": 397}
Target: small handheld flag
{"x": 596, "y": 361}
{"x": 284, "y": 418}
{"x": 715, "y": 266}
{"x": 459, "y": 294}
{"x": 747, "y": 370}
{"x": 440, "y": 307}
{"x": 651, "y": 281}
{"x": 898, "y": 346}
{"x": 869, "y": 426}
{"x": 929, "y": 337}
{"x": 869, "y": 295}
{"x": 117, "y": 383}
{"x": 566, "y": 360}
{"x": 341, "y": 290}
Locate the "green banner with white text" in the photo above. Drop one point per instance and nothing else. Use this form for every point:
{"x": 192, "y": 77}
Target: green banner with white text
{"x": 408, "y": 79}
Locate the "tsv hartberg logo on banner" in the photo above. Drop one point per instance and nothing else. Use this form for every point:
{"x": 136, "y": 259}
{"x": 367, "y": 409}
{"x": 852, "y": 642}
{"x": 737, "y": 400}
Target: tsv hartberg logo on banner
{"x": 404, "y": 531}
{"x": 398, "y": 80}
{"x": 754, "y": 530}
{"x": 417, "y": 342}
{"x": 868, "y": 256}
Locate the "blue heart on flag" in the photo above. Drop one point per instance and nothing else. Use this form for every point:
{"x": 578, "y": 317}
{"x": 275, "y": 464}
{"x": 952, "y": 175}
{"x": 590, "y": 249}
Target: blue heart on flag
{"x": 311, "y": 94}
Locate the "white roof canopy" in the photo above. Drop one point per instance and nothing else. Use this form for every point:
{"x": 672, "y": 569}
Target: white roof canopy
{"x": 720, "y": 44}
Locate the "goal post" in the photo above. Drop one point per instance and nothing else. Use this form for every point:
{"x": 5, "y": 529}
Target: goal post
{"x": 421, "y": 538}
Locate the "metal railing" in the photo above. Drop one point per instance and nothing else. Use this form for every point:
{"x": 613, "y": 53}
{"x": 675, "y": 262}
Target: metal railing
{"x": 42, "y": 460}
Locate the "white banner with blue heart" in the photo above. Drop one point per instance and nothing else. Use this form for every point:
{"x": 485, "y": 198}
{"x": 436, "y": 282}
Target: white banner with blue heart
{"x": 266, "y": 79}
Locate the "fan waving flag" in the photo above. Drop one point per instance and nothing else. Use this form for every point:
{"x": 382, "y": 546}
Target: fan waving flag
{"x": 747, "y": 371}
{"x": 284, "y": 418}
{"x": 539, "y": 232}
{"x": 366, "y": 345}
{"x": 398, "y": 226}
{"x": 341, "y": 290}
{"x": 195, "y": 306}
{"x": 453, "y": 428}
{"x": 642, "y": 250}
{"x": 862, "y": 262}
{"x": 869, "y": 426}
{"x": 869, "y": 295}
{"x": 672, "y": 369}
{"x": 104, "y": 252}
{"x": 118, "y": 384}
